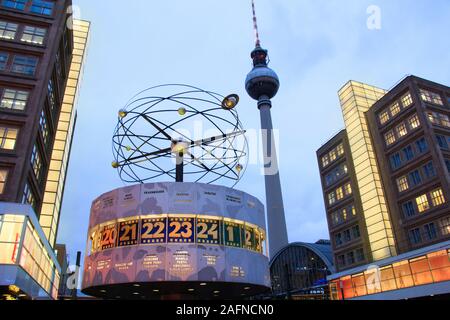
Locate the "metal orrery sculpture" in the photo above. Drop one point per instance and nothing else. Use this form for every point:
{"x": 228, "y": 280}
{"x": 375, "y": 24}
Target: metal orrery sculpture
{"x": 198, "y": 130}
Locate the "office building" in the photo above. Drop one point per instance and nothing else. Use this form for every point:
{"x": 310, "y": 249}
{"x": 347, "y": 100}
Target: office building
{"x": 386, "y": 188}
{"x": 40, "y": 51}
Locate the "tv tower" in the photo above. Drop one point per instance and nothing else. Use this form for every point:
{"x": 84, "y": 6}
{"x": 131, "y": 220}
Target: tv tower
{"x": 262, "y": 84}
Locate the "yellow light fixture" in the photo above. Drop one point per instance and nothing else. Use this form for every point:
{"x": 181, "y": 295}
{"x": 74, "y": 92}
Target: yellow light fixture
{"x": 123, "y": 113}
{"x": 182, "y": 111}
{"x": 115, "y": 164}
{"x": 239, "y": 168}
{"x": 13, "y": 288}
{"x": 128, "y": 148}
{"x": 230, "y": 102}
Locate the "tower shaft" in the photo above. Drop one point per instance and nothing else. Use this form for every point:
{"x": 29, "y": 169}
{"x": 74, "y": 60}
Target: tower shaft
{"x": 278, "y": 237}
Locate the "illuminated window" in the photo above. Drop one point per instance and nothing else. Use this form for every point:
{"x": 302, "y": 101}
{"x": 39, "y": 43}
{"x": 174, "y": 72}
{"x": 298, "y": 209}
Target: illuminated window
{"x": 444, "y": 120}
{"x": 8, "y": 30}
{"x": 445, "y": 226}
{"x": 42, "y": 7}
{"x": 414, "y": 122}
{"x": 333, "y": 155}
{"x": 395, "y": 109}
{"x": 407, "y": 100}
{"x": 340, "y": 150}
{"x": 325, "y": 161}
{"x": 348, "y": 189}
{"x": 28, "y": 196}
{"x": 344, "y": 214}
{"x": 401, "y": 130}
{"x": 3, "y": 60}
{"x": 389, "y": 138}
{"x": 14, "y": 99}
{"x": 402, "y": 184}
{"x": 331, "y": 198}
{"x": 3, "y": 177}
{"x": 422, "y": 203}
{"x": 437, "y": 197}
{"x": 339, "y": 193}
{"x": 353, "y": 210}
{"x": 14, "y": 4}
{"x": 24, "y": 65}
{"x": 8, "y": 137}
{"x": 431, "y": 97}
{"x": 33, "y": 35}
{"x": 384, "y": 117}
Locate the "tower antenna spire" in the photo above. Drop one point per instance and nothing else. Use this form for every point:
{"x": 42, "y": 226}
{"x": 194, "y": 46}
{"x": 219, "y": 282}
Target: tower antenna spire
{"x": 255, "y": 25}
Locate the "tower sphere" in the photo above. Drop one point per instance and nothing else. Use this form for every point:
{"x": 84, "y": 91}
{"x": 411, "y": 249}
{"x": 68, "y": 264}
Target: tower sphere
{"x": 261, "y": 81}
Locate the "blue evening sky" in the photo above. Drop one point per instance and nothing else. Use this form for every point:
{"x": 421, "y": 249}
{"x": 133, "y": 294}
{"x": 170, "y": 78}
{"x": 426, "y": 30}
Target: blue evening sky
{"x": 315, "y": 46}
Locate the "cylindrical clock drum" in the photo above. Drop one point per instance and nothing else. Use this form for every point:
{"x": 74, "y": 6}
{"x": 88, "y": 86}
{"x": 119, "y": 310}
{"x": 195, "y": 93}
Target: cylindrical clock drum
{"x": 176, "y": 240}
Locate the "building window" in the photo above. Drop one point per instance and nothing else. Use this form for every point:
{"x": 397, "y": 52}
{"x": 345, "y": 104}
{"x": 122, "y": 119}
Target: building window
{"x": 333, "y": 155}
{"x": 341, "y": 260}
{"x": 430, "y": 231}
{"x": 440, "y": 119}
{"x": 347, "y": 236}
{"x": 24, "y": 65}
{"x": 360, "y": 256}
{"x": 28, "y": 196}
{"x": 389, "y": 138}
{"x": 14, "y": 4}
{"x": 431, "y": 97}
{"x": 415, "y": 178}
{"x": 407, "y": 100}
{"x": 429, "y": 170}
{"x": 395, "y": 109}
{"x": 336, "y": 175}
{"x": 42, "y": 7}
{"x": 331, "y": 198}
{"x": 437, "y": 197}
{"x": 356, "y": 232}
{"x": 351, "y": 258}
{"x": 408, "y": 153}
{"x": 414, "y": 122}
{"x": 445, "y": 226}
{"x": 422, "y": 203}
{"x": 408, "y": 209}
{"x": 442, "y": 142}
{"x": 14, "y": 99}
{"x": 8, "y": 30}
{"x": 8, "y": 137}
{"x": 340, "y": 194}
{"x": 338, "y": 239}
{"x": 3, "y": 61}
{"x": 402, "y": 184}
{"x": 3, "y": 178}
{"x": 422, "y": 145}
{"x": 348, "y": 189}
{"x": 36, "y": 162}
{"x": 415, "y": 236}
{"x": 401, "y": 130}
{"x": 43, "y": 126}
{"x": 384, "y": 117}
{"x": 33, "y": 35}
{"x": 396, "y": 161}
